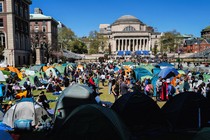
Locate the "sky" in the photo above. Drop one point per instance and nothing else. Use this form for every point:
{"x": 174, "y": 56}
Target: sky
{"x": 84, "y": 16}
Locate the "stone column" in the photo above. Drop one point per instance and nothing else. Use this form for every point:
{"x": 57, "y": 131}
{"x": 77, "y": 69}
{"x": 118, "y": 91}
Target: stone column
{"x": 123, "y": 47}
{"x": 38, "y": 55}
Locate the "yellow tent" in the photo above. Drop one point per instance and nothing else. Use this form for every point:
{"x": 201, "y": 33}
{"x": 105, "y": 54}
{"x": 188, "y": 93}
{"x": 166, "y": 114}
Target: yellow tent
{"x": 13, "y": 69}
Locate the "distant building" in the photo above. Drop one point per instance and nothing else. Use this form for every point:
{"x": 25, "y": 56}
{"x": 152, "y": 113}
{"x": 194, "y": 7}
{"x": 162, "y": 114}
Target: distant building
{"x": 14, "y": 31}
{"x": 130, "y": 34}
{"x": 205, "y": 33}
{"x": 43, "y": 32}
{"x": 195, "y": 45}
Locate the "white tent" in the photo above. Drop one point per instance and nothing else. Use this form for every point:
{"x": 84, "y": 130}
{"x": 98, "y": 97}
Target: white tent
{"x": 25, "y": 109}
{"x": 2, "y": 77}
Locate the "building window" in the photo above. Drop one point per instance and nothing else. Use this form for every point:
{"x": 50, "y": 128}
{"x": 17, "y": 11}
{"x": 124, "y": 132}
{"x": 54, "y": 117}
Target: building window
{"x": 36, "y": 28}
{"x": 24, "y": 60}
{"x": 1, "y": 7}
{"x": 129, "y": 28}
{"x": 1, "y": 22}
{"x": 43, "y": 28}
{"x": 19, "y": 60}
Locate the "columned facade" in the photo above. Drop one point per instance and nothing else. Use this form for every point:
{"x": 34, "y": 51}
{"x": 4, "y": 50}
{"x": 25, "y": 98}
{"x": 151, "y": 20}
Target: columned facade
{"x": 128, "y": 33}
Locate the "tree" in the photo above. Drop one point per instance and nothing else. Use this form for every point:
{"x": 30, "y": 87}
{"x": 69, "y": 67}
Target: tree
{"x": 170, "y": 41}
{"x": 98, "y": 42}
{"x": 78, "y": 47}
{"x": 65, "y": 36}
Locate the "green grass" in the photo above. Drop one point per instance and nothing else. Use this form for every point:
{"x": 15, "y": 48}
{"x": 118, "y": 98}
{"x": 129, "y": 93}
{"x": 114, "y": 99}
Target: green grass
{"x": 104, "y": 96}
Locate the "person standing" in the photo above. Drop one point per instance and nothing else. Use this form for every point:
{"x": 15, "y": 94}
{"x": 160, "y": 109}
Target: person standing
{"x": 123, "y": 87}
{"x": 115, "y": 89}
{"x": 103, "y": 78}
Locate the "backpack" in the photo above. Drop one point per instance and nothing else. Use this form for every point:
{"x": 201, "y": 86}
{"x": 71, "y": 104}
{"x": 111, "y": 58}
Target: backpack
{"x": 171, "y": 90}
{"x": 25, "y": 84}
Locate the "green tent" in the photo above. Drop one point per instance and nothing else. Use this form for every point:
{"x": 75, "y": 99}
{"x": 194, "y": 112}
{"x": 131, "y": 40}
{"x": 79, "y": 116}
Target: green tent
{"x": 129, "y": 63}
{"x": 60, "y": 68}
{"x": 92, "y": 122}
{"x": 34, "y": 80}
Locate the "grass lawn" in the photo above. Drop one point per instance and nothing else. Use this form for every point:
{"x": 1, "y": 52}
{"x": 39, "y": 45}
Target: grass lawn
{"x": 104, "y": 97}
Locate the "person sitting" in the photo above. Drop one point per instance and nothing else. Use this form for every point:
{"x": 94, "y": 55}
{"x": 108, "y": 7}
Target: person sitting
{"x": 57, "y": 88}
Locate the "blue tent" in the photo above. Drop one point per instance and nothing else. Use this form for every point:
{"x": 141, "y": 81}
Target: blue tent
{"x": 168, "y": 72}
{"x": 4, "y": 135}
{"x": 164, "y": 64}
{"x": 120, "y": 53}
{"x": 156, "y": 71}
{"x": 145, "y": 52}
{"x": 127, "y": 52}
{"x": 140, "y": 72}
{"x": 138, "y": 52}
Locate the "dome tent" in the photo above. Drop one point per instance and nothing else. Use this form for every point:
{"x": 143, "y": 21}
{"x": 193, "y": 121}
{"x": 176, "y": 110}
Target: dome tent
{"x": 92, "y": 121}
{"x": 70, "y": 98}
{"x": 140, "y": 113}
{"x": 188, "y": 110}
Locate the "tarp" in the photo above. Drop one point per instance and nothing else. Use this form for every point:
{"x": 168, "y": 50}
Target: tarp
{"x": 70, "y": 98}
{"x": 187, "y": 110}
{"x": 141, "y": 72}
{"x": 90, "y": 122}
{"x": 139, "y": 112}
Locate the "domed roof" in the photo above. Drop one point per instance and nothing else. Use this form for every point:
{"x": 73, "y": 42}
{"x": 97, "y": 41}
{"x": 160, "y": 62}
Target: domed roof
{"x": 127, "y": 19}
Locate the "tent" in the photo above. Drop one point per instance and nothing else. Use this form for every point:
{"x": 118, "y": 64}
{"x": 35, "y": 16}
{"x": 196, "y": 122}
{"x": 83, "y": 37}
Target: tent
{"x": 203, "y": 134}
{"x": 90, "y": 122}
{"x": 164, "y": 65}
{"x": 70, "y": 98}
{"x": 2, "y": 77}
{"x": 187, "y": 110}
{"x": 55, "y": 72}
{"x": 140, "y": 72}
{"x": 1, "y": 113}
{"x": 139, "y": 112}
{"x": 168, "y": 73}
{"x": 4, "y": 135}
{"x": 34, "y": 80}
{"x": 60, "y": 68}
{"x": 25, "y": 109}
{"x": 36, "y": 68}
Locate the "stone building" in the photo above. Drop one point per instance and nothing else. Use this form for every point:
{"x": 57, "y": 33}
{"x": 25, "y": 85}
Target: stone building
{"x": 129, "y": 34}
{"x": 43, "y": 32}
{"x": 14, "y": 31}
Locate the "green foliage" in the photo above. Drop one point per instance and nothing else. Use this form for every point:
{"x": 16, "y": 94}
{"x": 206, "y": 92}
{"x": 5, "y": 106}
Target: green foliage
{"x": 65, "y": 36}
{"x": 78, "y": 47}
{"x": 97, "y": 41}
{"x": 170, "y": 41}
